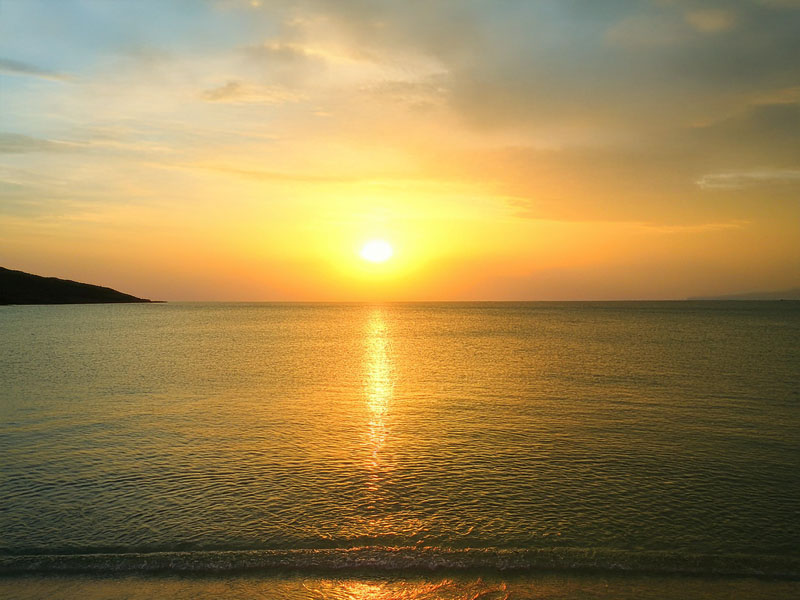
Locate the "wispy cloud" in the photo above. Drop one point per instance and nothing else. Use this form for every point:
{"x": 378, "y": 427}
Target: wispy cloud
{"x": 15, "y": 143}
{"x": 16, "y": 67}
{"x": 711, "y": 20}
{"x": 236, "y": 92}
{"x": 272, "y": 175}
{"x": 742, "y": 179}
{"x": 692, "y": 228}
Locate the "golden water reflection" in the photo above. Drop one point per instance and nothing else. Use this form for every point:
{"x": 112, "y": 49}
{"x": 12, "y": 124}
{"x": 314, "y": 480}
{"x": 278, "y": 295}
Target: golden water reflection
{"x": 409, "y": 590}
{"x": 379, "y": 385}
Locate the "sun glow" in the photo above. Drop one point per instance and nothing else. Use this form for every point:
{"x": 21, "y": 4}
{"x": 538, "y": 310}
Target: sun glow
{"x": 376, "y": 251}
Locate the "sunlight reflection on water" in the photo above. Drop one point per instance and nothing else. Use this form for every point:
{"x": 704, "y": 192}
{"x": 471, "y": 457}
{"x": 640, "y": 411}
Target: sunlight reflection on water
{"x": 653, "y": 426}
{"x": 379, "y": 381}
{"x": 378, "y": 388}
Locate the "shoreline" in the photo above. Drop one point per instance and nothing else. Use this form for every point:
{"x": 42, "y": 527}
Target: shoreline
{"x": 293, "y": 586}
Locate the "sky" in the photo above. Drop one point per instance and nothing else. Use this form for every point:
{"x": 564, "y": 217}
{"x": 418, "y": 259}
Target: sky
{"x": 506, "y": 150}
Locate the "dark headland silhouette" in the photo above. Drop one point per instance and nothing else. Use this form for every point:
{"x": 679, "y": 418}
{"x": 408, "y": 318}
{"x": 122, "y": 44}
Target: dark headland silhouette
{"x": 18, "y": 287}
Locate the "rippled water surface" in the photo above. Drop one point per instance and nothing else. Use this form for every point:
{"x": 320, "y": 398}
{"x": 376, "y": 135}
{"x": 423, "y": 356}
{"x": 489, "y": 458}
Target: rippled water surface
{"x": 632, "y": 427}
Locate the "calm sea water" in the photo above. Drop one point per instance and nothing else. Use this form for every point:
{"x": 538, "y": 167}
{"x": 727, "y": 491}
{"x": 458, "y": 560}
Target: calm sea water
{"x": 644, "y": 436}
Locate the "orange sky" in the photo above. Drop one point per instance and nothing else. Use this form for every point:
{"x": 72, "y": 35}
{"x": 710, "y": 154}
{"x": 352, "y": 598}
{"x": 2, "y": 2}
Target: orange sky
{"x": 229, "y": 150}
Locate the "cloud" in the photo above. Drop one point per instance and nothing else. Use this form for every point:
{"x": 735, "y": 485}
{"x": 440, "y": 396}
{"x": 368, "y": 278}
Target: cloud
{"x": 274, "y": 175}
{"x": 15, "y": 143}
{"x": 643, "y": 31}
{"x": 421, "y": 94}
{"x": 286, "y": 63}
{"x": 36, "y": 194}
{"x": 743, "y": 179}
{"x": 781, "y": 3}
{"x": 16, "y": 67}
{"x": 693, "y": 228}
{"x": 762, "y": 133}
{"x": 236, "y": 92}
{"x": 788, "y": 95}
{"x": 711, "y": 20}
{"x": 616, "y": 66}
{"x": 282, "y": 52}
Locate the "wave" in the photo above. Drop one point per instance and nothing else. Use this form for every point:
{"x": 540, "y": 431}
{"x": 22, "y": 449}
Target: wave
{"x": 407, "y": 559}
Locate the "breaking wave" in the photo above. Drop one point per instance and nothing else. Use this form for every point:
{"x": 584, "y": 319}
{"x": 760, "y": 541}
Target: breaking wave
{"x": 407, "y": 559}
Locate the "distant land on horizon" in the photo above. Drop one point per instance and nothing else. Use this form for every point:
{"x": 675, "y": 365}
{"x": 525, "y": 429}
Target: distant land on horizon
{"x": 790, "y": 294}
{"x": 18, "y": 287}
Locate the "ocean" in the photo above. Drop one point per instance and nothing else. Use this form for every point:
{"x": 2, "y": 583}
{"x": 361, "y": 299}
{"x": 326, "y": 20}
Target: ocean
{"x": 439, "y": 449}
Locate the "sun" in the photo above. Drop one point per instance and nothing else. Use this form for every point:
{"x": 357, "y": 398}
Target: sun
{"x": 377, "y": 251}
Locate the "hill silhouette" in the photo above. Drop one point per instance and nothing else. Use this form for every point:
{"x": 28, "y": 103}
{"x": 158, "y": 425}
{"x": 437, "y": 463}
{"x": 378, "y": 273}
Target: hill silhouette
{"x": 18, "y": 287}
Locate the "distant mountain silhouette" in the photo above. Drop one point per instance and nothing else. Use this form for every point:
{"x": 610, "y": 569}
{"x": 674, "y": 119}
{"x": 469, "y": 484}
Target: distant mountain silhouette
{"x": 792, "y": 294}
{"x": 18, "y": 287}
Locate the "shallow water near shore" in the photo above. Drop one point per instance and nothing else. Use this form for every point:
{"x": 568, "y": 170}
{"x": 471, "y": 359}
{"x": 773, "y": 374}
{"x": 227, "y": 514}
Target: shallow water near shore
{"x": 654, "y": 437}
{"x": 546, "y": 586}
